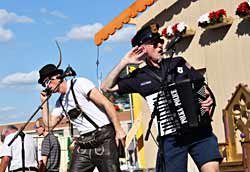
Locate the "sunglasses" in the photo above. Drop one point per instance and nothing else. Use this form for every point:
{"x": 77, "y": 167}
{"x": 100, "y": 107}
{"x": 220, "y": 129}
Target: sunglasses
{"x": 47, "y": 81}
{"x": 154, "y": 42}
{"x": 36, "y": 127}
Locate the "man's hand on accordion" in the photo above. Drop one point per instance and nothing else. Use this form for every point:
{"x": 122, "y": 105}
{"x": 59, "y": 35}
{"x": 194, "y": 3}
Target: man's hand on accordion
{"x": 207, "y": 104}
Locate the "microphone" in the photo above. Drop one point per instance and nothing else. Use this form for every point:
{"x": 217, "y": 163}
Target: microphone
{"x": 174, "y": 41}
{"x": 68, "y": 72}
{"x": 47, "y": 91}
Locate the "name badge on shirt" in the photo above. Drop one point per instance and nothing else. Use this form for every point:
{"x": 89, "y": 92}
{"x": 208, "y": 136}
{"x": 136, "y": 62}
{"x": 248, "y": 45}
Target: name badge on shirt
{"x": 145, "y": 83}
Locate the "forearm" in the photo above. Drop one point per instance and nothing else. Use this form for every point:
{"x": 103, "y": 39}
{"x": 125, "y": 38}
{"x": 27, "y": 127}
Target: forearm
{"x": 101, "y": 101}
{"x": 41, "y": 166}
{"x": 111, "y": 112}
{"x": 112, "y": 77}
{"x": 45, "y": 113}
{"x": 45, "y": 158}
{"x": 3, "y": 167}
{"x": 49, "y": 120}
{"x": 4, "y": 164}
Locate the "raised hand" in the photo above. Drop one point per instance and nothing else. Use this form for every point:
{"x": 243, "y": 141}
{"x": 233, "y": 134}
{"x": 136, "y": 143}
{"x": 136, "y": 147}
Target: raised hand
{"x": 43, "y": 96}
{"x": 135, "y": 55}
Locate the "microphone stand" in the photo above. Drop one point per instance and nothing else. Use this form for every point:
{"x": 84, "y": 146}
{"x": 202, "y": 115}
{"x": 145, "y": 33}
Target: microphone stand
{"x": 20, "y": 131}
{"x": 160, "y": 146}
{"x": 153, "y": 114}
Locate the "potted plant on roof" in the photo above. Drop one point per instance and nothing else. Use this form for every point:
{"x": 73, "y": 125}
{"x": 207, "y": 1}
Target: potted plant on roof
{"x": 214, "y": 19}
{"x": 177, "y": 28}
{"x": 243, "y": 10}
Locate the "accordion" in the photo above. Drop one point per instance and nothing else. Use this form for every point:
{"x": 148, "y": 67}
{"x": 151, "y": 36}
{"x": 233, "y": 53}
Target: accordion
{"x": 178, "y": 107}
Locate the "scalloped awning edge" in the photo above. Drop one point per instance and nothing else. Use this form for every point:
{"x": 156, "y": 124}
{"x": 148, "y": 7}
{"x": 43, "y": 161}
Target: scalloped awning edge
{"x": 123, "y": 18}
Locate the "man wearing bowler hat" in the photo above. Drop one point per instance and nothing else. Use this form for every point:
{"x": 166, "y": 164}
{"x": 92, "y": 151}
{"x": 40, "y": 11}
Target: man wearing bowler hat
{"x": 91, "y": 113}
{"x": 149, "y": 81}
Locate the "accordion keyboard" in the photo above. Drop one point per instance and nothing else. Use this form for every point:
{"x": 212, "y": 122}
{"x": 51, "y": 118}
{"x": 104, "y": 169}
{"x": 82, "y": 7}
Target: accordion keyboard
{"x": 178, "y": 107}
{"x": 166, "y": 121}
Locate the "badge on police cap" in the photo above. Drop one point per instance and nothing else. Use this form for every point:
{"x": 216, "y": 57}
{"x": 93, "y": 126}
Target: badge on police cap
{"x": 154, "y": 28}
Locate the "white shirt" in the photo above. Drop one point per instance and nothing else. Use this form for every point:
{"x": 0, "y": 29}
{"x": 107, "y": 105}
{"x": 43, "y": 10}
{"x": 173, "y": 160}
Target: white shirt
{"x": 15, "y": 151}
{"x": 82, "y": 87}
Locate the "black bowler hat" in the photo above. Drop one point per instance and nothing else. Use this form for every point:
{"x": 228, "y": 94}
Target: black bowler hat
{"x": 146, "y": 33}
{"x": 48, "y": 71}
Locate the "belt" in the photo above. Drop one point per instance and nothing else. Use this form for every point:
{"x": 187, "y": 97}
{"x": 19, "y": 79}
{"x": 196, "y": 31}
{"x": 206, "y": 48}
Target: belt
{"x": 26, "y": 169}
{"x": 98, "y": 129}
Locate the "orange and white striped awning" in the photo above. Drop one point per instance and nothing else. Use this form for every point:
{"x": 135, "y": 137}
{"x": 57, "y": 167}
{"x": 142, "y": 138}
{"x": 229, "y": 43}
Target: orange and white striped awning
{"x": 121, "y": 19}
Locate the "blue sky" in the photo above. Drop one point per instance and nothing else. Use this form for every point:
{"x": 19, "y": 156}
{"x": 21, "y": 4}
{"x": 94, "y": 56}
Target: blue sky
{"x": 28, "y": 31}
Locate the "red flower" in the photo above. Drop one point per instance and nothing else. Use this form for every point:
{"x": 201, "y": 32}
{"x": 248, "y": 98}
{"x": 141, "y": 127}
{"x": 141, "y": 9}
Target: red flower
{"x": 243, "y": 9}
{"x": 164, "y": 32}
{"x": 174, "y": 28}
{"x": 217, "y": 16}
{"x": 222, "y": 12}
{"x": 117, "y": 108}
{"x": 212, "y": 15}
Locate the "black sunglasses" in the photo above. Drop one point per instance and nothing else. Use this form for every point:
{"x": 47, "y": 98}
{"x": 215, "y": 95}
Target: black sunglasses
{"x": 47, "y": 81}
{"x": 154, "y": 42}
{"x": 36, "y": 127}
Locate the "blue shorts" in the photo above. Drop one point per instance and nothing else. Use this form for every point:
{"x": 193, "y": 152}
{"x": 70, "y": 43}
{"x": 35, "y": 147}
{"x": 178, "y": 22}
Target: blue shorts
{"x": 201, "y": 151}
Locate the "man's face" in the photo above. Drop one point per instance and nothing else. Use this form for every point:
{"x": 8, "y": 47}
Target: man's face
{"x": 51, "y": 83}
{"x": 39, "y": 129}
{"x": 153, "y": 49}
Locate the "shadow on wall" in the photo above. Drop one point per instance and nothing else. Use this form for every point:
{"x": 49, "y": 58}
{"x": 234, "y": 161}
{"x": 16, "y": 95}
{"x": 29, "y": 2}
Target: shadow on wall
{"x": 210, "y": 36}
{"x": 181, "y": 46}
{"x": 167, "y": 14}
{"x": 243, "y": 28}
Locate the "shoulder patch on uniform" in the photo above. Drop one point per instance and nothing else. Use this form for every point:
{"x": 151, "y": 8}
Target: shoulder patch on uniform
{"x": 180, "y": 70}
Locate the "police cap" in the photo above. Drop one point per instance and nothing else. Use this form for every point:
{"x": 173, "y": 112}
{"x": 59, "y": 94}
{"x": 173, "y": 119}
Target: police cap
{"x": 146, "y": 33}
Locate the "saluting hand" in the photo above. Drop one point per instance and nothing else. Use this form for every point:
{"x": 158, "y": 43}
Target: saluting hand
{"x": 135, "y": 55}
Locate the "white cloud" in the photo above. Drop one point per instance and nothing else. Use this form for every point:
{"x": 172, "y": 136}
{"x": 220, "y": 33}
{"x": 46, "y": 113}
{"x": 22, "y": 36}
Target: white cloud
{"x": 85, "y": 32}
{"x": 9, "y": 17}
{"x": 108, "y": 49}
{"x": 5, "y": 35}
{"x": 55, "y": 13}
{"x": 123, "y": 35}
{"x": 11, "y": 116}
{"x": 58, "y": 14}
{"x": 7, "y": 109}
{"x": 20, "y": 79}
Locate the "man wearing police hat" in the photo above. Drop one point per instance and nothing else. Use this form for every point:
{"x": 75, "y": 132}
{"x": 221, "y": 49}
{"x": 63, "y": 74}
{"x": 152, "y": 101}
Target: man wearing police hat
{"x": 148, "y": 46}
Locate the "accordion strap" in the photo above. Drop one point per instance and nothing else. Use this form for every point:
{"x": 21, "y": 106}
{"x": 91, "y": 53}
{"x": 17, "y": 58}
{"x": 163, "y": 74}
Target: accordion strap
{"x": 153, "y": 74}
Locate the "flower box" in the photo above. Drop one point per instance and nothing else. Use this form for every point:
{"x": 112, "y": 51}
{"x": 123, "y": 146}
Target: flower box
{"x": 214, "y": 19}
{"x": 177, "y": 28}
{"x": 246, "y": 17}
{"x": 226, "y": 21}
{"x": 189, "y": 32}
